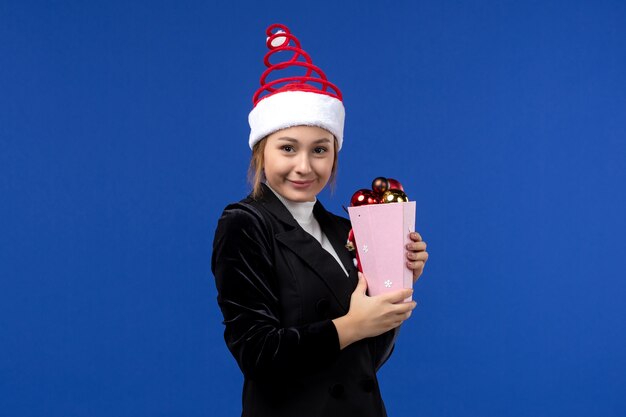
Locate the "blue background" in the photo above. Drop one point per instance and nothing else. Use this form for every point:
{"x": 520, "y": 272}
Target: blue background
{"x": 123, "y": 134}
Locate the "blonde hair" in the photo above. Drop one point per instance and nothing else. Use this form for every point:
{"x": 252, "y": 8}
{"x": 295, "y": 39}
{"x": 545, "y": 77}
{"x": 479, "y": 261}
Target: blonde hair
{"x": 257, "y": 163}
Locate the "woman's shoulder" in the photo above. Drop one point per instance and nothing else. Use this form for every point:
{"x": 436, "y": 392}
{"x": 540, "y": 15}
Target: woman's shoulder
{"x": 242, "y": 212}
{"x": 242, "y": 221}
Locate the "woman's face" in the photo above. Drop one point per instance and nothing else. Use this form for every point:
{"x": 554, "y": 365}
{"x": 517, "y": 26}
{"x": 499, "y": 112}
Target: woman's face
{"x": 298, "y": 161}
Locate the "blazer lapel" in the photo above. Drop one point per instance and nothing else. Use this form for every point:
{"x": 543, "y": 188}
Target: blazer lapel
{"x": 338, "y": 236}
{"x": 320, "y": 261}
{"x": 311, "y": 252}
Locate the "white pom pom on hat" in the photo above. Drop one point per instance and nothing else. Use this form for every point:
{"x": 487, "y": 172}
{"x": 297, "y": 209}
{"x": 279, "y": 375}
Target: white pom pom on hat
{"x": 308, "y": 99}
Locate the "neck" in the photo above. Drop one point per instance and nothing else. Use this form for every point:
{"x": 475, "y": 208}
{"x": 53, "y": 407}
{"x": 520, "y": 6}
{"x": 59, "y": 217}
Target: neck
{"x": 302, "y": 211}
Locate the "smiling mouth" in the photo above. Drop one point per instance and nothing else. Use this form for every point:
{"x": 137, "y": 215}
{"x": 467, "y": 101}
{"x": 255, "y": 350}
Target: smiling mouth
{"x": 301, "y": 183}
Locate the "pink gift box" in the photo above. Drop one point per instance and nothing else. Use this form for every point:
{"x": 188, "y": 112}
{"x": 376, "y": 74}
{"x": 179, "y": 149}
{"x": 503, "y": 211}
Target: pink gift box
{"x": 381, "y": 232}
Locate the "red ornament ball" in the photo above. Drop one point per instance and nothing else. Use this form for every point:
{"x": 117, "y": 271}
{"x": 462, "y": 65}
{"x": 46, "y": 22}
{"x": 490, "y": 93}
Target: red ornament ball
{"x": 395, "y": 184}
{"x": 380, "y": 185}
{"x": 363, "y": 197}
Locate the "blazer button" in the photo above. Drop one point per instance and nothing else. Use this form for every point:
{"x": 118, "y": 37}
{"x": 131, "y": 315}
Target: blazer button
{"x": 322, "y": 307}
{"x": 336, "y": 390}
{"x": 368, "y": 385}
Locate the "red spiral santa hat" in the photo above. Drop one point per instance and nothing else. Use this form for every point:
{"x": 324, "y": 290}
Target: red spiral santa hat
{"x": 293, "y": 100}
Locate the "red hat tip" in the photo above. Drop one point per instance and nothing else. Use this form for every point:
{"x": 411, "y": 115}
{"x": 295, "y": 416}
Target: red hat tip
{"x": 280, "y": 39}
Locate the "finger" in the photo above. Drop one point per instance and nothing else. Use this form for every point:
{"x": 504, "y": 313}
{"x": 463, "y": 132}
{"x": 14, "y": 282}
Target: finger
{"x": 415, "y": 265}
{"x": 416, "y": 246}
{"x": 403, "y": 308}
{"x": 402, "y": 311}
{"x": 396, "y": 323}
{"x": 361, "y": 286}
{"x": 417, "y": 256}
{"x": 406, "y": 315}
{"x": 400, "y": 318}
{"x": 397, "y": 296}
{"x": 415, "y": 236}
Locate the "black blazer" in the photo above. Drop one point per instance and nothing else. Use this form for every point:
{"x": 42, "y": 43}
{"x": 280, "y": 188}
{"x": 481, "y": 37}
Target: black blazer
{"x": 278, "y": 290}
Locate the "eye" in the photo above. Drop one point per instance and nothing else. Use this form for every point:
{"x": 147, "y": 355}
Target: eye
{"x": 320, "y": 150}
{"x": 287, "y": 148}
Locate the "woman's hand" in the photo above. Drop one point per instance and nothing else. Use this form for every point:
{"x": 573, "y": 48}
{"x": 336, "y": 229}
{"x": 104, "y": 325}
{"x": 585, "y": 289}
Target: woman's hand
{"x": 416, "y": 255}
{"x": 372, "y": 316}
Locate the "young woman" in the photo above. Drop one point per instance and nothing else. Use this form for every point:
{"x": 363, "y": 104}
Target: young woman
{"x": 298, "y": 321}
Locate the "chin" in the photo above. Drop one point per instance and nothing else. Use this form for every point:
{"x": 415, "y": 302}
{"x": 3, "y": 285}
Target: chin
{"x": 293, "y": 194}
{"x": 299, "y": 197}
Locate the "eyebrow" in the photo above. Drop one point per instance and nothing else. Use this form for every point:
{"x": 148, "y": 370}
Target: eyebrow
{"x": 292, "y": 140}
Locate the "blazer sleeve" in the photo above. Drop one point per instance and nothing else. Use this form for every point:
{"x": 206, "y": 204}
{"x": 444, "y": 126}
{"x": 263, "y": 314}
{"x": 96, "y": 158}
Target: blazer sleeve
{"x": 242, "y": 263}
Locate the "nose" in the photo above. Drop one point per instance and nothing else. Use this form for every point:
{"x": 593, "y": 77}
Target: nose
{"x": 303, "y": 166}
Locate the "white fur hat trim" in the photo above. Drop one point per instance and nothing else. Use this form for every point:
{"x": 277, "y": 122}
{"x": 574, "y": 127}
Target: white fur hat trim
{"x": 295, "y": 108}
